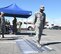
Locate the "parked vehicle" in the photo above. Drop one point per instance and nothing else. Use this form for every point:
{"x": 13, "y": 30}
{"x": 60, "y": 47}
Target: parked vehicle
{"x": 26, "y": 26}
{"x": 57, "y": 27}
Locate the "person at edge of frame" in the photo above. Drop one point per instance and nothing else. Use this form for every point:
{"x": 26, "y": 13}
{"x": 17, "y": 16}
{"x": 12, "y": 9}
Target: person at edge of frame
{"x": 2, "y": 23}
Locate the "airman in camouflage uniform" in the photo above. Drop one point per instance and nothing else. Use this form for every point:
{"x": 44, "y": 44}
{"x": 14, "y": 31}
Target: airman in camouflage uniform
{"x": 39, "y": 23}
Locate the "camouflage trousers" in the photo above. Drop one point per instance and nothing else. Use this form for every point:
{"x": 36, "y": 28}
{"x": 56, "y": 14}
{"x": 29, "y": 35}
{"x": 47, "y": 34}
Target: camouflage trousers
{"x": 38, "y": 31}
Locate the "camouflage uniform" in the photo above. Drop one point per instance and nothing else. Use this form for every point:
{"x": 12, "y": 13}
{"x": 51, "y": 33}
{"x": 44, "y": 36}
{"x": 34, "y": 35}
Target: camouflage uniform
{"x": 39, "y": 23}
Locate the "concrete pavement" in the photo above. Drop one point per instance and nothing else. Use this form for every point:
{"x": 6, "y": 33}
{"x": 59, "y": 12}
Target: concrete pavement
{"x": 11, "y": 47}
{"x": 8, "y": 48}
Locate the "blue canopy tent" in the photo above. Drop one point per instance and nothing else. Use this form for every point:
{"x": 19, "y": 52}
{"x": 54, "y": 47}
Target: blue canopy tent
{"x": 14, "y": 10}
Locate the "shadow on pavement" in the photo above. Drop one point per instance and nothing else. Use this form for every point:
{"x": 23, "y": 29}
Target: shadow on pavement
{"x": 44, "y": 34}
{"x": 51, "y": 43}
{"x": 9, "y": 38}
{"x": 18, "y": 33}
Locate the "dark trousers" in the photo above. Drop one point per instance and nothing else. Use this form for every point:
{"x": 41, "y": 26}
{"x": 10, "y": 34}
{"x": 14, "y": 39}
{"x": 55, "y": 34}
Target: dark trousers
{"x": 14, "y": 29}
{"x": 2, "y": 29}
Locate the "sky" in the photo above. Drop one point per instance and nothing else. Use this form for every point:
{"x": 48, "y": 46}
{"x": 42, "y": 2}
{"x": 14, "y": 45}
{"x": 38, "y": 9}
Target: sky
{"x": 52, "y": 8}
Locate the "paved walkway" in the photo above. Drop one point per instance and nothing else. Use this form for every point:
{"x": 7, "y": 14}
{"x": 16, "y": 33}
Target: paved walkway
{"x": 10, "y": 46}
{"x": 30, "y": 47}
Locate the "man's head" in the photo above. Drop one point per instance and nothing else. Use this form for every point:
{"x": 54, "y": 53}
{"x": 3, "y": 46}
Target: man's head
{"x": 1, "y": 13}
{"x": 42, "y": 8}
{"x": 14, "y": 17}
